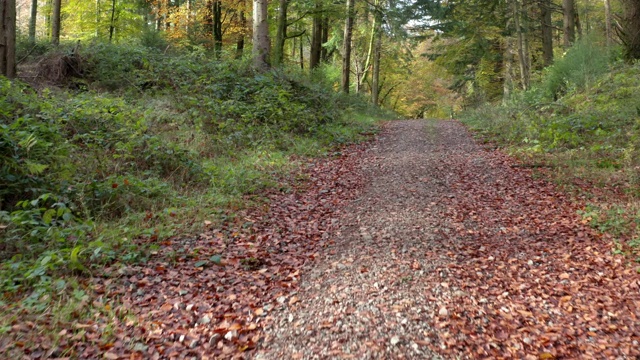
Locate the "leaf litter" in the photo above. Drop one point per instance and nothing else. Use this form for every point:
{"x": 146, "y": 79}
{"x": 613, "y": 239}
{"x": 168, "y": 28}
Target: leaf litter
{"x": 419, "y": 245}
{"x": 451, "y": 252}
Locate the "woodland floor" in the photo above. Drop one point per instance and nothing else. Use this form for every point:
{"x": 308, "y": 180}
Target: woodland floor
{"x": 419, "y": 245}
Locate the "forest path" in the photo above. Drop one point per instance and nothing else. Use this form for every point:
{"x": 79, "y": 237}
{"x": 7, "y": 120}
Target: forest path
{"x": 451, "y": 252}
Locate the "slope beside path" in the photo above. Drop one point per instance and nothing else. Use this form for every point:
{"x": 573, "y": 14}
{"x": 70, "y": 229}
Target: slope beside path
{"x": 451, "y": 252}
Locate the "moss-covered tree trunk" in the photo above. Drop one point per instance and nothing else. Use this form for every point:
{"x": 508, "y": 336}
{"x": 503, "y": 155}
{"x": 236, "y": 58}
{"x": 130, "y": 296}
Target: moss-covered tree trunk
{"x": 281, "y": 33}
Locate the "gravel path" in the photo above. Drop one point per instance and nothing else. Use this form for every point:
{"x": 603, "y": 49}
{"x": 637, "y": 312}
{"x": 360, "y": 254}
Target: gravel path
{"x": 365, "y": 299}
{"x": 448, "y": 253}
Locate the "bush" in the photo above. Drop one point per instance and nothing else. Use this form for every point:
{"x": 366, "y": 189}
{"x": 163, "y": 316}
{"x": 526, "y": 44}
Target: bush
{"x": 578, "y": 69}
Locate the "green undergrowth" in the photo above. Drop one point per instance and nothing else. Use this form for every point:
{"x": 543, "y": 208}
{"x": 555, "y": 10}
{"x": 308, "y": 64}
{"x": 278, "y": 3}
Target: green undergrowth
{"x": 581, "y": 122}
{"x": 136, "y": 146}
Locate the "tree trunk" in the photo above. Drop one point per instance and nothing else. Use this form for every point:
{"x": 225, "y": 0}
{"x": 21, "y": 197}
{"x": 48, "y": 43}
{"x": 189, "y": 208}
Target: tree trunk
{"x": 607, "y": 20}
{"x": 522, "y": 53}
{"x": 375, "y": 76}
{"x": 97, "y": 18}
{"x": 569, "y": 25}
{"x": 33, "y": 21}
{"x": 112, "y": 25}
{"x": 316, "y": 38}
{"x": 547, "y": 29}
{"x": 55, "y": 22}
{"x": 281, "y": 33}
{"x": 507, "y": 89}
{"x": 8, "y": 38}
{"x": 301, "y": 54}
{"x": 630, "y": 33}
{"x": 217, "y": 28}
{"x": 367, "y": 63}
{"x": 578, "y": 24}
{"x": 325, "y": 38}
{"x": 260, "y": 35}
{"x": 187, "y": 26}
{"x": 240, "y": 41}
{"x": 346, "y": 50}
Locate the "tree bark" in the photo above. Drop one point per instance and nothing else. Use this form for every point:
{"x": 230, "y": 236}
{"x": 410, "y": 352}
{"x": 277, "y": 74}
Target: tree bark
{"x": 301, "y": 55}
{"x": 607, "y": 20}
{"x": 55, "y": 22}
{"x": 325, "y": 38}
{"x": 217, "y": 28}
{"x": 375, "y": 76}
{"x": 316, "y": 37}
{"x": 547, "y": 32}
{"x": 522, "y": 53}
{"x": 112, "y": 25}
{"x": 367, "y": 63}
{"x": 569, "y": 23}
{"x": 240, "y": 40}
{"x": 8, "y": 38}
{"x": 630, "y": 32}
{"x": 507, "y": 88}
{"x": 260, "y": 35}
{"x": 346, "y": 49}
{"x": 281, "y": 33}
{"x": 33, "y": 21}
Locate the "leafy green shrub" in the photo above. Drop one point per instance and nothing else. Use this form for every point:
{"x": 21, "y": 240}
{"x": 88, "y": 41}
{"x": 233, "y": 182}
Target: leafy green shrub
{"x": 578, "y": 69}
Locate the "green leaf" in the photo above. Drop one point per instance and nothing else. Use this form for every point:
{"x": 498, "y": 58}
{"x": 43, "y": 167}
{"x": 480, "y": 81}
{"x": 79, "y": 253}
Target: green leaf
{"x": 35, "y": 168}
{"x": 74, "y": 259}
{"x": 45, "y": 260}
{"x": 48, "y": 215}
{"x": 216, "y": 259}
{"x": 201, "y": 263}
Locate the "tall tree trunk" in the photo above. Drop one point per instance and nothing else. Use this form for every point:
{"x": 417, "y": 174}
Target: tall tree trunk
{"x": 630, "y": 33}
{"x": 547, "y": 29}
{"x": 508, "y": 69}
{"x": 217, "y": 28}
{"x": 367, "y": 63}
{"x": 301, "y": 55}
{"x": 112, "y": 24}
{"x": 325, "y": 38}
{"x": 97, "y": 18}
{"x": 522, "y": 53}
{"x": 33, "y": 21}
{"x": 187, "y": 26}
{"x": 346, "y": 50}
{"x": 281, "y": 33}
{"x": 375, "y": 76}
{"x": 55, "y": 22}
{"x": 607, "y": 20}
{"x": 578, "y": 24}
{"x": 569, "y": 23}
{"x": 316, "y": 37}
{"x": 240, "y": 41}
{"x": 260, "y": 35}
{"x": 8, "y": 38}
